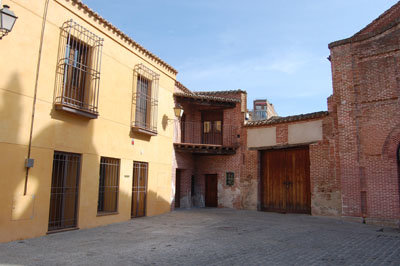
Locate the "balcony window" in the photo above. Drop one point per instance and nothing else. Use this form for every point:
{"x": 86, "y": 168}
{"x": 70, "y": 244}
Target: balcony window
{"x": 145, "y": 100}
{"x": 78, "y": 71}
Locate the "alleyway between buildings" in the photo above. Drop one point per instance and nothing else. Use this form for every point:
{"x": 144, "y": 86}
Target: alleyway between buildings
{"x": 213, "y": 237}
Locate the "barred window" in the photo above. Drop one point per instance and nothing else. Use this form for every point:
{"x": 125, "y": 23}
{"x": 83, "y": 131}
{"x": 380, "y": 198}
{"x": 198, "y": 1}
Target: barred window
{"x": 64, "y": 190}
{"x": 78, "y": 70}
{"x": 108, "y": 185}
{"x": 145, "y": 100}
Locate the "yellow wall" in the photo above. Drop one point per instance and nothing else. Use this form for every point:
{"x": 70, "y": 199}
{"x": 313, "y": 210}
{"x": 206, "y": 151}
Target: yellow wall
{"x": 109, "y": 135}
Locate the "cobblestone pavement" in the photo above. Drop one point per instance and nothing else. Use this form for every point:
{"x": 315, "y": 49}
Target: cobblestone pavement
{"x": 213, "y": 237}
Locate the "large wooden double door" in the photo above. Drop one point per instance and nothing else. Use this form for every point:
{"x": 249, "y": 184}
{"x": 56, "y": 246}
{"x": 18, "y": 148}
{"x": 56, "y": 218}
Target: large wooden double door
{"x": 285, "y": 180}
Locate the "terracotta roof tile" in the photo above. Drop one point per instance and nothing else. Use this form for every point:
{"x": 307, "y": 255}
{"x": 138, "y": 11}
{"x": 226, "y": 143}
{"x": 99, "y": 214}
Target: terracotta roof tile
{"x": 182, "y": 87}
{"x": 122, "y": 35}
{"x": 206, "y": 97}
{"x": 219, "y": 92}
{"x": 293, "y": 118}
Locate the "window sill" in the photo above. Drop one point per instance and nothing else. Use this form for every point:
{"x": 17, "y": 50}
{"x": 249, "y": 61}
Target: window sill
{"x": 74, "y": 110}
{"x": 62, "y": 230}
{"x": 144, "y": 131}
{"x": 106, "y": 213}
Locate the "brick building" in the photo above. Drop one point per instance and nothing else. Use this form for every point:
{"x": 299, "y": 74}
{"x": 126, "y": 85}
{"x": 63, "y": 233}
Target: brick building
{"x": 344, "y": 162}
{"x": 262, "y": 109}
{"x": 209, "y": 148}
{"x": 366, "y": 110}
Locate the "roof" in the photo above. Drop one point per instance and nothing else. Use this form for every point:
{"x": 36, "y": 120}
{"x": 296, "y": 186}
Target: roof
{"x": 219, "y": 92}
{"x": 384, "y": 22}
{"x": 206, "y": 98}
{"x": 206, "y": 95}
{"x": 122, "y": 35}
{"x": 182, "y": 87}
{"x": 293, "y": 118}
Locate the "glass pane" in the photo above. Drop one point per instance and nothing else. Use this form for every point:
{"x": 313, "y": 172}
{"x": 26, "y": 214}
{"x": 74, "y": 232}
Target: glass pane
{"x": 207, "y": 126}
{"x": 218, "y": 126}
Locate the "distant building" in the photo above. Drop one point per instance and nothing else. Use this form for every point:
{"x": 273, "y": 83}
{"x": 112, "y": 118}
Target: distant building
{"x": 262, "y": 109}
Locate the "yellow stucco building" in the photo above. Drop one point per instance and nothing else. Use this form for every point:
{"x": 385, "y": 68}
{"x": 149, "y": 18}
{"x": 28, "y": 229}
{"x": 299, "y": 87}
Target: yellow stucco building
{"x": 92, "y": 108}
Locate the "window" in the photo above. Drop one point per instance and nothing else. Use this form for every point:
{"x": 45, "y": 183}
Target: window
{"x": 78, "y": 70}
{"x": 64, "y": 190}
{"x": 207, "y": 126}
{"x": 108, "y": 185}
{"x": 230, "y": 178}
{"x": 145, "y": 100}
{"x": 218, "y": 126}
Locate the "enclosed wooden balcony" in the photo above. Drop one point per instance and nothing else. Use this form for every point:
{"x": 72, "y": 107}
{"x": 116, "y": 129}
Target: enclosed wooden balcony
{"x": 207, "y": 137}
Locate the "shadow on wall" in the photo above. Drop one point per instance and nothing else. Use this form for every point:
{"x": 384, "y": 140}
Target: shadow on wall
{"x": 136, "y": 135}
{"x": 28, "y": 216}
{"x": 157, "y": 203}
{"x": 164, "y": 121}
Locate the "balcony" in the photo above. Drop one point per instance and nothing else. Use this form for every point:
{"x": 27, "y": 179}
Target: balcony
{"x": 78, "y": 71}
{"x": 259, "y": 115}
{"x": 208, "y": 137}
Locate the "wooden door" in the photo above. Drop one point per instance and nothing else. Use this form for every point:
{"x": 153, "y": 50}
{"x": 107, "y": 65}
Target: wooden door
{"x": 211, "y": 190}
{"x": 286, "y": 180}
{"x": 178, "y": 189}
{"x": 212, "y": 123}
{"x": 139, "y": 189}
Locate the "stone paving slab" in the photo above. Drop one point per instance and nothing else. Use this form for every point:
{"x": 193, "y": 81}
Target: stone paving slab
{"x": 213, "y": 237}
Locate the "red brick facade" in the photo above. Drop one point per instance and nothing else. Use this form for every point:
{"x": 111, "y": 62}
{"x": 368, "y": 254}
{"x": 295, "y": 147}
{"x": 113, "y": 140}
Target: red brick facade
{"x": 366, "y": 90}
{"x": 354, "y": 168}
{"x": 324, "y": 182}
{"x": 242, "y": 163}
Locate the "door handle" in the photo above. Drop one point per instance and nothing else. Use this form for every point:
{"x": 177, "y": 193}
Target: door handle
{"x": 287, "y": 184}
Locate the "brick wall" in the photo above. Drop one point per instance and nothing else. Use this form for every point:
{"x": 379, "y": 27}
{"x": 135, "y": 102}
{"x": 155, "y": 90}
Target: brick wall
{"x": 325, "y": 185}
{"x": 243, "y": 163}
{"x": 366, "y": 90}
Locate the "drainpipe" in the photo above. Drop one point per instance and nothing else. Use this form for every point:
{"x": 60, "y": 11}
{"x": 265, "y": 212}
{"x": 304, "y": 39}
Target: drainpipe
{"x": 35, "y": 95}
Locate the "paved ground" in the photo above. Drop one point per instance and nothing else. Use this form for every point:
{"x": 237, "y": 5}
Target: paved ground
{"x": 213, "y": 237}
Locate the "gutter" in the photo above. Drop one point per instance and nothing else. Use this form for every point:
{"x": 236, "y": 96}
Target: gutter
{"x": 29, "y": 161}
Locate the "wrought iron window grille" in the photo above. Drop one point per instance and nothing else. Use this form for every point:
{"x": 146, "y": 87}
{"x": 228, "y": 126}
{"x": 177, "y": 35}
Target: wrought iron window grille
{"x": 78, "y": 70}
{"x": 108, "y": 185}
{"x": 145, "y": 100}
{"x": 64, "y": 191}
{"x": 230, "y": 178}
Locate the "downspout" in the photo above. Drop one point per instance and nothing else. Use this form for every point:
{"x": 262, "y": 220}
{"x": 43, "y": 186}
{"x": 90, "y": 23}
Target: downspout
{"x": 35, "y": 91}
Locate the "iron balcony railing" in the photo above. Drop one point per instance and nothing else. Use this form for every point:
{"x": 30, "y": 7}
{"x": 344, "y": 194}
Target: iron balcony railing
{"x": 145, "y": 99}
{"x": 144, "y": 110}
{"x": 78, "y": 69}
{"x": 208, "y": 132}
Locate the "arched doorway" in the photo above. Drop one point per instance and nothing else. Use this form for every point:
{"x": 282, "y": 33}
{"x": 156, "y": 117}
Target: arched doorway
{"x": 398, "y": 169}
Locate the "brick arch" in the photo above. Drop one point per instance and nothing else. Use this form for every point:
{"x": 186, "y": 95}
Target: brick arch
{"x": 392, "y": 144}
{"x": 391, "y": 151}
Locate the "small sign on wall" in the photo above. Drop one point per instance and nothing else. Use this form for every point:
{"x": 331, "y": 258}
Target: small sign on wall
{"x": 230, "y": 178}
